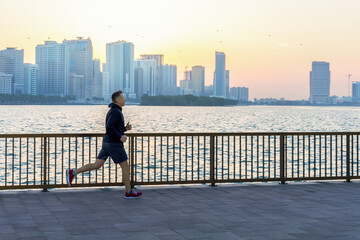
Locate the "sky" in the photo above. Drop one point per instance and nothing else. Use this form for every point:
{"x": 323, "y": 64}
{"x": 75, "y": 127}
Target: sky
{"x": 269, "y": 44}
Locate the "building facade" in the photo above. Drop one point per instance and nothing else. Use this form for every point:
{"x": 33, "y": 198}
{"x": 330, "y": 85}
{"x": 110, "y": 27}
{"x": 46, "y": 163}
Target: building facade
{"x": 146, "y": 77}
{"x": 169, "y": 79}
{"x": 31, "y": 78}
{"x": 120, "y": 66}
{"x": 198, "y": 80}
{"x": 96, "y": 85}
{"x": 320, "y": 82}
{"x": 6, "y": 83}
{"x": 76, "y": 87}
{"x": 12, "y": 62}
{"x": 159, "y": 58}
{"x": 53, "y": 61}
{"x": 239, "y": 93}
{"x": 81, "y": 61}
{"x": 356, "y": 92}
{"x": 221, "y": 87}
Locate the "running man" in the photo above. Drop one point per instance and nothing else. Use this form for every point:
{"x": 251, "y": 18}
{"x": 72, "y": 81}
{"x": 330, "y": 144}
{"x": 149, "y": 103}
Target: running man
{"x": 113, "y": 146}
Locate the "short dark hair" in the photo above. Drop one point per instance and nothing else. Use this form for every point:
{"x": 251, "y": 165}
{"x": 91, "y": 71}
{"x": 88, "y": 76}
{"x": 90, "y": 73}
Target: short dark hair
{"x": 115, "y": 95}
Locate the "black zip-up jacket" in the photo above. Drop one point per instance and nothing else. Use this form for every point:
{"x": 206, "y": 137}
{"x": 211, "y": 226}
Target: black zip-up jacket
{"x": 115, "y": 125}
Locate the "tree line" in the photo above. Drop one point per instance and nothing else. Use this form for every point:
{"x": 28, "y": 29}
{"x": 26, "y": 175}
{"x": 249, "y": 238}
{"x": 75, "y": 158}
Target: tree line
{"x": 185, "y": 100}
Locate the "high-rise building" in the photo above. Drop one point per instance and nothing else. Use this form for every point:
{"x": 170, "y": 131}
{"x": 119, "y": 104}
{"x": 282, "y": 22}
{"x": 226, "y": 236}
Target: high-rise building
{"x": 81, "y": 61}
{"x": 184, "y": 84}
{"x": 96, "y": 80}
{"x": 169, "y": 79}
{"x": 221, "y": 87}
{"x": 105, "y": 86}
{"x": 120, "y": 66}
{"x": 76, "y": 86}
{"x": 6, "y": 83}
{"x": 31, "y": 78}
{"x": 198, "y": 80}
{"x": 146, "y": 81}
{"x": 356, "y": 91}
{"x": 320, "y": 82}
{"x": 138, "y": 78}
{"x": 158, "y": 71}
{"x": 227, "y": 79}
{"x": 12, "y": 62}
{"x": 239, "y": 93}
{"x": 53, "y": 61}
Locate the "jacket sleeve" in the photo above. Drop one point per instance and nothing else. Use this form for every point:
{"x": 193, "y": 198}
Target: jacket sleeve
{"x": 110, "y": 125}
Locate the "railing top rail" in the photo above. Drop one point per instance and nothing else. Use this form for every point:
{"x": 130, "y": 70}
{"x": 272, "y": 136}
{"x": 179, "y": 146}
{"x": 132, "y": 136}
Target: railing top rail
{"x": 180, "y": 134}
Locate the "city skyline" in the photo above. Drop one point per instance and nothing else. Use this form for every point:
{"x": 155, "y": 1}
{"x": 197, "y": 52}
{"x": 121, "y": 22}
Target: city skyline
{"x": 269, "y": 46}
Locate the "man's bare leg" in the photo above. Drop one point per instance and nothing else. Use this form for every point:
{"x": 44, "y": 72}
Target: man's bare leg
{"x": 126, "y": 175}
{"x": 91, "y": 166}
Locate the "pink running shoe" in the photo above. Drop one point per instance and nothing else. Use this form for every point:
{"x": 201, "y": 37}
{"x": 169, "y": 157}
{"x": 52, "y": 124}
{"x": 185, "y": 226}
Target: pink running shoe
{"x": 70, "y": 176}
{"x": 132, "y": 194}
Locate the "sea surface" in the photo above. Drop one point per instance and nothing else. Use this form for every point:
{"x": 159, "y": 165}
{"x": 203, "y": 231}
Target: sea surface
{"x": 148, "y": 119}
{"x": 177, "y": 158}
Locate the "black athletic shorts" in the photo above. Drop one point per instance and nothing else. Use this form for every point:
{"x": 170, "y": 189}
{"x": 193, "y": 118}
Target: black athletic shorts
{"x": 114, "y": 150}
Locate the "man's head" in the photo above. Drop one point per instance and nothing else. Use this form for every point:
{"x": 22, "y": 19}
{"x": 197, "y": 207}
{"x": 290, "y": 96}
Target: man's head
{"x": 118, "y": 98}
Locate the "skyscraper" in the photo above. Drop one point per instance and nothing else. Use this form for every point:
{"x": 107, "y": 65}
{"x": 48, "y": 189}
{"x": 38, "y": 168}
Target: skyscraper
{"x": 77, "y": 86}
{"x": 198, "y": 80}
{"x": 320, "y": 82}
{"x": 120, "y": 66}
{"x": 12, "y": 62}
{"x": 96, "y": 80}
{"x": 169, "y": 79}
{"x": 31, "y": 78}
{"x": 146, "y": 81}
{"x": 158, "y": 71}
{"x": 221, "y": 87}
{"x": 356, "y": 91}
{"x": 6, "y": 83}
{"x": 81, "y": 62}
{"x": 53, "y": 61}
{"x": 105, "y": 86}
{"x": 227, "y": 81}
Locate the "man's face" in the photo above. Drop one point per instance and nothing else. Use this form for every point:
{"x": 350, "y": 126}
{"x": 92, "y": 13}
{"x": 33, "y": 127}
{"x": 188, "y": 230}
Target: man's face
{"x": 121, "y": 100}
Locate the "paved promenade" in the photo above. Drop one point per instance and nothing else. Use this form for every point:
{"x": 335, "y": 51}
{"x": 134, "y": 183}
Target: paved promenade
{"x": 326, "y": 210}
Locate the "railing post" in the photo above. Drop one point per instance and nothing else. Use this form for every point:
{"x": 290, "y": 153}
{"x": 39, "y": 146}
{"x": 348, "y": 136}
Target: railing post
{"x": 282, "y": 157}
{"x": 212, "y": 160}
{"x": 45, "y": 165}
{"x": 132, "y": 162}
{"x": 348, "y": 158}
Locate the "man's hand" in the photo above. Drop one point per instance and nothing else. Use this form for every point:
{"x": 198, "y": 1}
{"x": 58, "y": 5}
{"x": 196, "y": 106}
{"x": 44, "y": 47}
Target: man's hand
{"x": 123, "y": 138}
{"x": 128, "y": 126}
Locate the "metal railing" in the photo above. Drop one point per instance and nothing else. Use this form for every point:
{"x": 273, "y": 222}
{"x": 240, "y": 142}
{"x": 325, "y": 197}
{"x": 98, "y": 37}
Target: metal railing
{"x": 40, "y": 160}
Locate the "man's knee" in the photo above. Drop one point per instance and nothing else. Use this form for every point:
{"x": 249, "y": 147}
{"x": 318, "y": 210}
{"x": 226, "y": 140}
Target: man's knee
{"x": 124, "y": 164}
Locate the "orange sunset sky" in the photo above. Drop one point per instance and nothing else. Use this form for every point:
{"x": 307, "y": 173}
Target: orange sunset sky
{"x": 269, "y": 45}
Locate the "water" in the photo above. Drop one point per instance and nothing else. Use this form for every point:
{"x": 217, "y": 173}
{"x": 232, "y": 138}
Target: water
{"x": 178, "y": 165}
{"x": 90, "y": 119}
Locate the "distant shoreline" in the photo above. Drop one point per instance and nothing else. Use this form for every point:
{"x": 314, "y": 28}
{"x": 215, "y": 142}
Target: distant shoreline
{"x": 158, "y": 105}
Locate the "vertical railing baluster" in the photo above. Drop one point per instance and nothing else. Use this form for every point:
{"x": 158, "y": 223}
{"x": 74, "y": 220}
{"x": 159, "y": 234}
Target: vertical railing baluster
{"x": 282, "y": 153}
{"x": 325, "y": 155}
{"x": 132, "y": 165}
{"x": 292, "y": 156}
{"x": 331, "y": 154}
{"x": 212, "y": 160}
{"x": 154, "y": 158}
{"x": 45, "y": 164}
{"x": 20, "y": 161}
{"x": 348, "y": 178}
{"x": 246, "y": 151}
